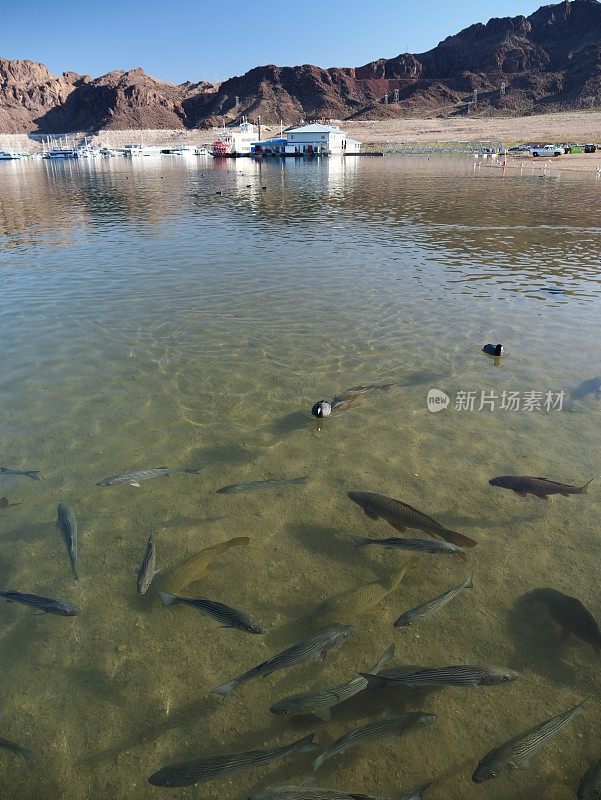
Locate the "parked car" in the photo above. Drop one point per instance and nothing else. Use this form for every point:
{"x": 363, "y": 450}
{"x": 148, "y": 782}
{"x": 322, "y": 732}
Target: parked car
{"x": 520, "y": 148}
{"x": 547, "y": 150}
{"x": 590, "y": 148}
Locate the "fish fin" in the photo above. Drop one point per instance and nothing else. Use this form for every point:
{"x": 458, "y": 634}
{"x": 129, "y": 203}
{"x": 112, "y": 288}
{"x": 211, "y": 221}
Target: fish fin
{"x": 306, "y": 745}
{"x": 454, "y": 537}
{"x": 361, "y": 541}
{"x": 416, "y": 794}
{"x": 397, "y": 526}
{"x": 544, "y": 496}
{"x": 370, "y": 514}
{"x": 26, "y": 757}
{"x": 316, "y": 764}
{"x": 310, "y": 781}
{"x": 226, "y": 688}
{"x": 461, "y": 556}
{"x": 385, "y": 658}
{"x": 193, "y": 470}
{"x": 157, "y": 572}
{"x": 34, "y": 474}
{"x": 517, "y": 491}
{"x": 135, "y": 483}
{"x": 323, "y": 713}
{"x": 373, "y": 681}
{"x": 167, "y": 599}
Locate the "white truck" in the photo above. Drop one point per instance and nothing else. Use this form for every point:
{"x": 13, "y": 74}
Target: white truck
{"x": 547, "y": 150}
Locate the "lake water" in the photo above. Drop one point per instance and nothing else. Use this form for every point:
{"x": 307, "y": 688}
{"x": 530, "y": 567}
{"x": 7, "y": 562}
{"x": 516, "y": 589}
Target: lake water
{"x": 147, "y": 320}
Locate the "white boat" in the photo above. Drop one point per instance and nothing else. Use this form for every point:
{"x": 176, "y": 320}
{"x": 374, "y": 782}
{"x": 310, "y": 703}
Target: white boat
{"x": 178, "y": 150}
{"x": 10, "y": 155}
{"x": 201, "y": 151}
{"x": 137, "y": 150}
{"x": 108, "y": 152}
{"x": 235, "y": 141}
{"x": 86, "y": 150}
{"x": 61, "y": 152}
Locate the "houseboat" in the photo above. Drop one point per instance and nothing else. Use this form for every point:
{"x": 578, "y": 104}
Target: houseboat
{"x": 138, "y": 150}
{"x": 10, "y": 155}
{"x": 235, "y": 141}
{"x": 308, "y": 140}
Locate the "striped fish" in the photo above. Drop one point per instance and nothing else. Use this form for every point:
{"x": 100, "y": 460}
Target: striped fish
{"x": 315, "y": 646}
{"x": 46, "y": 605}
{"x": 24, "y": 755}
{"x": 67, "y": 525}
{"x": 321, "y": 701}
{"x": 443, "y": 676}
{"x": 134, "y": 477}
{"x": 208, "y": 768}
{"x": 229, "y": 617}
{"x": 419, "y": 545}
{"x": 432, "y": 606}
{"x": 373, "y": 731}
{"x": 518, "y": 751}
{"x": 309, "y": 793}
{"x": 147, "y": 569}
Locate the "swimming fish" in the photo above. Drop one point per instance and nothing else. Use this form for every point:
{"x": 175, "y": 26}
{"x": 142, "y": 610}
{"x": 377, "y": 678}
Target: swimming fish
{"x": 208, "y": 768}
{"x": 134, "y": 477}
{"x": 321, "y": 701}
{"x": 419, "y": 545}
{"x": 67, "y": 525}
{"x": 228, "y": 616}
{"x": 313, "y": 793}
{"x": 344, "y": 400}
{"x": 591, "y": 386}
{"x": 34, "y": 474}
{"x": 46, "y": 605}
{"x": 373, "y": 731}
{"x": 539, "y": 487}
{"x": 354, "y": 602}
{"x": 590, "y": 785}
{"x": 195, "y": 567}
{"x": 573, "y": 617}
{"x": 462, "y": 675}
{"x": 314, "y": 646}
{"x": 147, "y": 569}
{"x": 518, "y": 751}
{"x": 402, "y": 516}
{"x": 255, "y": 486}
{"x": 432, "y": 606}
{"x": 24, "y": 755}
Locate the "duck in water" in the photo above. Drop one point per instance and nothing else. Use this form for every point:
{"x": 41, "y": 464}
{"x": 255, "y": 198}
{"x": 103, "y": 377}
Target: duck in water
{"x": 342, "y": 401}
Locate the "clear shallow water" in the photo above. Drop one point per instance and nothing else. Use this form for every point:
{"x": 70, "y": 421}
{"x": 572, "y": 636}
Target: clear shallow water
{"x": 148, "y": 321}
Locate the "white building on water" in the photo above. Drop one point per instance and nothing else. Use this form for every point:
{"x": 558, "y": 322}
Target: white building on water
{"x": 309, "y": 140}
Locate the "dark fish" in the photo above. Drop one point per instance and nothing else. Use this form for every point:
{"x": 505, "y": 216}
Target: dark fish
{"x": 311, "y": 793}
{"x": 591, "y": 386}
{"x": 463, "y": 675}
{"x": 518, "y": 751}
{"x": 5, "y": 504}
{"x": 208, "y": 768}
{"x": 134, "y": 477}
{"x": 419, "y": 545}
{"x": 256, "y": 486}
{"x": 34, "y": 474}
{"x": 373, "y": 731}
{"x": 402, "y": 516}
{"x": 432, "y": 606}
{"x": 573, "y": 617}
{"x": 539, "y": 487}
{"x": 24, "y": 755}
{"x": 228, "y": 616}
{"x": 46, "y": 605}
{"x": 344, "y": 400}
{"x": 147, "y": 569}
{"x": 67, "y": 525}
{"x": 314, "y": 646}
{"x": 590, "y": 785}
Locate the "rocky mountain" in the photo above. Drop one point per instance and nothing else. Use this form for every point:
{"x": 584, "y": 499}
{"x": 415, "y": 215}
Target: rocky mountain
{"x": 547, "y": 61}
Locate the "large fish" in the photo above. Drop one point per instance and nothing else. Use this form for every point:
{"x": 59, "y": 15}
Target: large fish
{"x": 591, "y": 386}
{"x": 24, "y": 755}
{"x": 147, "y": 569}
{"x": 573, "y": 617}
{"x": 34, "y": 474}
{"x": 462, "y": 675}
{"x": 196, "y": 567}
{"x": 433, "y": 546}
{"x": 45, "y": 605}
{"x": 228, "y": 617}
{"x": 373, "y": 731}
{"x": 402, "y": 516}
{"x": 313, "y": 793}
{"x": 539, "y": 487}
{"x": 321, "y": 701}
{"x": 314, "y": 646}
{"x": 209, "y": 768}
{"x": 518, "y": 751}
{"x": 354, "y": 602}
{"x": 432, "y": 606}
{"x": 257, "y": 486}
{"x": 134, "y": 477}
{"x": 67, "y": 525}
{"x": 590, "y": 785}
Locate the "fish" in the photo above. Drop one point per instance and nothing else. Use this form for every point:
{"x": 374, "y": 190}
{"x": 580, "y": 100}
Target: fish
{"x": 539, "y": 487}
{"x": 591, "y": 386}
{"x": 228, "y": 616}
{"x": 314, "y": 793}
{"x": 402, "y": 516}
{"x": 24, "y": 755}
{"x": 315, "y": 646}
{"x": 67, "y": 525}
{"x": 381, "y": 729}
{"x": 573, "y": 617}
{"x": 420, "y": 545}
{"x": 134, "y": 477}
{"x": 196, "y": 567}
{"x": 209, "y": 768}
{"x": 321, "y": 701}
{"x": 255, "y": 486}
{"x": 590, "y": 785}
{"x": 518, "y": 751}
{"x": 34, "y": 474}
{"x": 344, "y": 400}
{"x": 147, "y": 569}
{"x": 46, "y": 605}
{"x": 354, "y": 602}
{"x": 5, "y": 504}
{"x": 462, "y": 675}
{"x": 431, "y": 607}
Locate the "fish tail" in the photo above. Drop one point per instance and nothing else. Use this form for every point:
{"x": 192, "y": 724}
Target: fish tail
{"x": 417, "y": 793}
{"x": 168, "y": 599}
{"x": 318, "y": 762}
{"x": 305, "y": 745}
{"x": 34, "y": 474}
{"x": 470, "y": 582}
{"x": 226, "y": 688}
{"x": 25, "y": 756}
{"x": 454, "y": 537}
{"x": 582, "y": 489}
{"x": 74, "y": 571}
{"x": 383, "y": 660}
{"x": 193, "y": 470}
{"x": 237, "y": 540}
{"x": 361, "y": 541}
{"x": 373, "y": 681}
{"x": 582, "y": 705}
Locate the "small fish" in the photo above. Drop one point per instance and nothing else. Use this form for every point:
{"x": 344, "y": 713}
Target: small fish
{"x": 321, "y": 701}
{"x": 310, "y": 793}
{"x": 46, "y": 605}
{"x": 67, "y": 525}
{"x": 314, "y": 646}
{"x": 147, "y": 569}
{"x": 196, "y": 567}
{"x": 381, "y": 729}
{"x": 539, "y": 487}
{"x": 432, "y": 606}
{"x": 590, "y": 785}
{"x": 34, "y": 474}
{"x": 573, "y": 617}
{"x": 24, "y": 755}
{"x": 208, "y": 768}
{"x": 229, "y": 617}
{"x": 134, "y": 477}
{"x": 256, "y": 486}
{"x": 420, "y": 545}
{"x": 344, "y": 400}
{"x": 518, "y": 751}
{"x": 463, "y": 675}
{"x": 402, "y": 516}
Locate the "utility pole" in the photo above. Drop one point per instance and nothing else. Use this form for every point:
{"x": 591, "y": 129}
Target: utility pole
{"x": 475, "y": 98}
{"x": 396, "y": 96}
{"x": 502, "y": 89}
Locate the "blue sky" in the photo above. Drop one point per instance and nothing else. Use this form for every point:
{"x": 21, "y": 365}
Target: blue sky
{"x": 179, "y": 40}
